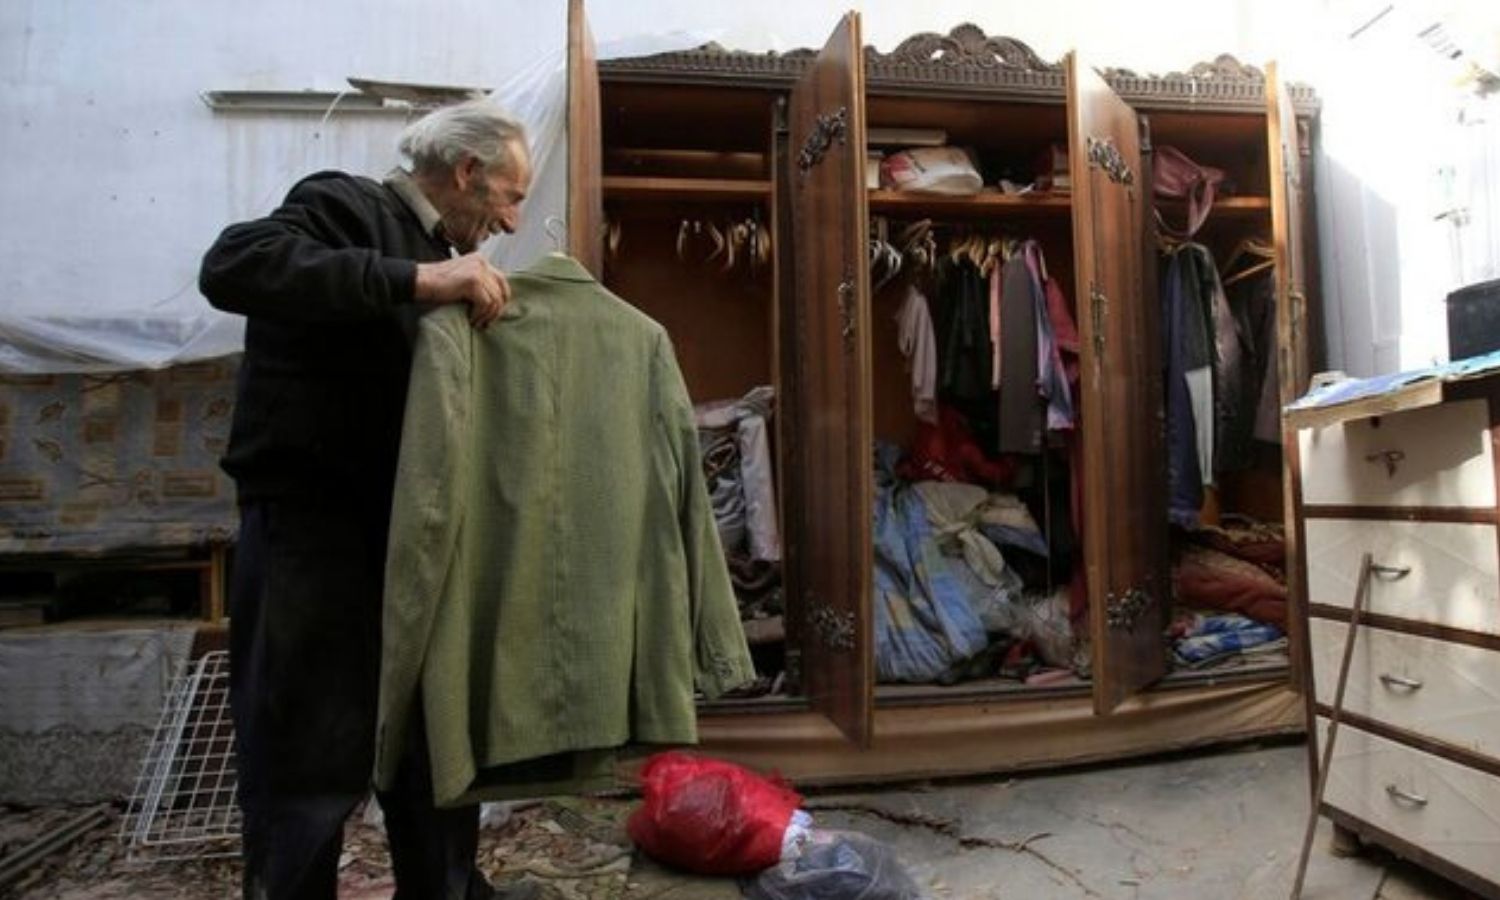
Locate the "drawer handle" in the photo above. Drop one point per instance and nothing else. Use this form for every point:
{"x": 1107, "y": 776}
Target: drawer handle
{"x": 1401, "y": 796}
{"x": 1391, "y": 458}
{"x": 1389, "y": 573}
{"x": 1400, "y": 681}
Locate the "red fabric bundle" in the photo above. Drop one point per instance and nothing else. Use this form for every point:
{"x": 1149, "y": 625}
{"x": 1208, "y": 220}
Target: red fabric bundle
{"x": 948, "y": 452}
{"x": 1208, "y": 579}
{"x": 709, "y": 816}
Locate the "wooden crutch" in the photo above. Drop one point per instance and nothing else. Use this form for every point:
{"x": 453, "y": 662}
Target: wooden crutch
{"x": 1360, "y": 592}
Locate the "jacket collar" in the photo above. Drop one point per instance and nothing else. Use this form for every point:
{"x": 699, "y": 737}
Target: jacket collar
{"x": 402, "y": 184}
{"x": 560, "y": 267}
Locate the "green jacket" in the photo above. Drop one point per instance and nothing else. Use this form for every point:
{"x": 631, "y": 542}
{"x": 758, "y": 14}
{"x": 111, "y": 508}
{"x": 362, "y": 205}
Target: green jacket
{"x": 554, "y": 582}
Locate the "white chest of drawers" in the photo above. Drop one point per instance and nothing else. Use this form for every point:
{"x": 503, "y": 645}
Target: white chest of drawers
{"x": 1407, "y": 475}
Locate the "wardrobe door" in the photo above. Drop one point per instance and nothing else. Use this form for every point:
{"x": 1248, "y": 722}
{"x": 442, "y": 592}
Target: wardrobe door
{"x": 1293, "y": 350}
{"x": 831, "y": 357}
{"x": 1124, "y": 474}
{"x": 585, "y": 153}
{"x": 1294, "y": 360}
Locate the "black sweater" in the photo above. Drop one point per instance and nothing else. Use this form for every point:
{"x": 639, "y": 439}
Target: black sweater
{"x": 325, "y": 283}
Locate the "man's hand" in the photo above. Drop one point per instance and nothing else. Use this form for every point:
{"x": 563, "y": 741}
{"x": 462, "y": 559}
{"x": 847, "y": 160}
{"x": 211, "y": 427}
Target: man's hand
{"x": 464, "y": 279}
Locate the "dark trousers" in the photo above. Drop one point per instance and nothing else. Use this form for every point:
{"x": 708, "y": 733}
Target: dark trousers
{"x": 304, "y": 683}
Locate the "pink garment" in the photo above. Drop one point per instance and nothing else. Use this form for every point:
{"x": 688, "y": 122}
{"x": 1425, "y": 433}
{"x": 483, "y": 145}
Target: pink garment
{"x": 1053, "y": 375}
{"x": 919, "y": 346}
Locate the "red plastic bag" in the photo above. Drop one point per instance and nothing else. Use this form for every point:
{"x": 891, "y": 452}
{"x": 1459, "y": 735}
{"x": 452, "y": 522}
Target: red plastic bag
{"x": 709, "y": 816}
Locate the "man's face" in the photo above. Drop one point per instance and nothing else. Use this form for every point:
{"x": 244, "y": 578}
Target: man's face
{"x": 488, "y": 202}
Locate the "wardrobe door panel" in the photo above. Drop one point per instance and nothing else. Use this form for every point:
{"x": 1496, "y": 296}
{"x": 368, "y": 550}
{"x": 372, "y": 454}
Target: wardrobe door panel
{"x": 1124, "y": 474}
{"x": 585, "y": 153}
{"x": 1294, "y": 360}
{"x": 831, "y": 306}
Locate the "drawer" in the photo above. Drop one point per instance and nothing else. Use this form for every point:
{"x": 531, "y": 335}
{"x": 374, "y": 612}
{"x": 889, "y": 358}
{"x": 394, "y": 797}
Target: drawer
{"x": 1454, "y": 578}
{"x": 1435, "y": 456}
{"x": 1448, "y": 692}
{"x": 1385, "y": 784}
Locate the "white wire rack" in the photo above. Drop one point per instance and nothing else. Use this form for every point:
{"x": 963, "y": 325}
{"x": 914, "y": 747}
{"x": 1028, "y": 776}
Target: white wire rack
{"x": 184, "y": 805}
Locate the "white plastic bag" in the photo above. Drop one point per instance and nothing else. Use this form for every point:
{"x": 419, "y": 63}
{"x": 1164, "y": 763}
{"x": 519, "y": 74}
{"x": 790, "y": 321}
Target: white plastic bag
{"x": 934, "y": 170}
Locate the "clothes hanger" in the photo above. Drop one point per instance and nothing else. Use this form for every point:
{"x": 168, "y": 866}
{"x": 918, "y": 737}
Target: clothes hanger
{"x": 1247, "y": 247}
{"x": 685, "y": 234}
{"x": 994, "y": 255}
{"x": 1251, "y": 246}
{"x": 612, "y": 236}
{"x": 1242, "y": 274}
{"x": 559, "y": 236}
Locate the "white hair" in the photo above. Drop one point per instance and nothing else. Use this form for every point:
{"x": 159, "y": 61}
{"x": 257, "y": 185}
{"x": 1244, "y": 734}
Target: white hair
{"x": 479, "y": 128}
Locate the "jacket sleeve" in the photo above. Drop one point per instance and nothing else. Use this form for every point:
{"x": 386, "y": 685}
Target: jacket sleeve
{"x": 721, "y": 657}
{"x": 427, "y": 513}
{"x": 315, "y": 259}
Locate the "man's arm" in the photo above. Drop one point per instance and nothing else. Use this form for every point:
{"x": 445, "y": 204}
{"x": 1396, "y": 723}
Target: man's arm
{"x": 312, "y": 260}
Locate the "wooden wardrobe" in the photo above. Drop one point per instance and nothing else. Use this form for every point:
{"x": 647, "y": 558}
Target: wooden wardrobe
{"x": 779, "y": 140}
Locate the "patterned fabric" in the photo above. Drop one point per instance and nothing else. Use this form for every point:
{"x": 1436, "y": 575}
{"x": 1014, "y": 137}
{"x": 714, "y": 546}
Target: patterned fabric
{"x": 1204, "y": 640}
{"x": 1205, "y": 578}
{"x": 925, "y": 622}
{"x": 91, "y": 463}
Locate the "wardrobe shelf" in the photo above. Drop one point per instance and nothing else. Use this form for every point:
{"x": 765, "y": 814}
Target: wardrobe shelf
{"x": 673, "y": 163}
{"x": 1239, "y": 207}
{"x": 700, "y": 190}
{"x": 986, "y": 203}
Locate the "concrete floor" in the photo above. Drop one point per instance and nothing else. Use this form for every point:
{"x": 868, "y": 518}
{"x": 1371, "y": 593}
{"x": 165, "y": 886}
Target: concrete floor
{"x": 1226, "y": 825}
{"x": 1209, "y": 826}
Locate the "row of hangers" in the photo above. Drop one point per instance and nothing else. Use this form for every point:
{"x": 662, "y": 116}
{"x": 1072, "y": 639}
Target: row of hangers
{"x": 722, "y": 244}
{"x": 915, "y": 248}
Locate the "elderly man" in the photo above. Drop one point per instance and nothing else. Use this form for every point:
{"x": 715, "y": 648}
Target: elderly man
{"x": 331, "y": 285}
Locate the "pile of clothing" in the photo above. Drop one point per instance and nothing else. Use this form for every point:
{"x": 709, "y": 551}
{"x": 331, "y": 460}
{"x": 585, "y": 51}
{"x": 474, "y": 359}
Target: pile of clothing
{"x": 734, "y": 437}
{"x": 1230, "y": 584}
{"x": 949, "y": 605}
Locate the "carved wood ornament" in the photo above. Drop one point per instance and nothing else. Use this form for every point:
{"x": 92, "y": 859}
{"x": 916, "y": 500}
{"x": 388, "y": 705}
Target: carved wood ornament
{"x": 966, "y": 61}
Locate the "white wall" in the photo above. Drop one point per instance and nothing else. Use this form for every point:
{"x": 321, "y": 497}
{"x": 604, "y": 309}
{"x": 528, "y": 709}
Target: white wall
{"x": 119, "y": 176}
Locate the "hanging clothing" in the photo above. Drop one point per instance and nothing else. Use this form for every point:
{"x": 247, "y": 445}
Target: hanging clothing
{"x": 1235, "y": 376}
{"x": 555, "y": 587}
{"x": 1188, "y": 348}
{"x": 1021, "y": 409}
{"x": 1052, "y": 378}
{"x": 1249, "y": 305}
{"x": 919, "y": 345}
{"x": 1253, "y": 300}
{"x": 964, "y": 354}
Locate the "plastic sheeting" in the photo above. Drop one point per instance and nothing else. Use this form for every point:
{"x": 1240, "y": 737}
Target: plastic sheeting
{"x": 116, "y": 330}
